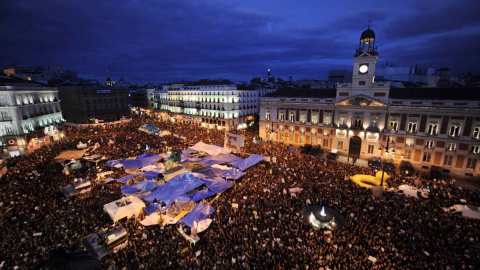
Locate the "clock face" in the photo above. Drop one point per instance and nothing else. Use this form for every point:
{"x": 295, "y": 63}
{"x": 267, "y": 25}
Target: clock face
{"x": 363, "y": 69}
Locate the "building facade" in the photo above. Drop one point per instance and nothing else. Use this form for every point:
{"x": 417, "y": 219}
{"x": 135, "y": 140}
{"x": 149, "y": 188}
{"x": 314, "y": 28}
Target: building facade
{"x": 83, "y": 104}
{"x": 426, "y": 126}
{"x": 213, "y": 104}
{"x": 29, "y": 116}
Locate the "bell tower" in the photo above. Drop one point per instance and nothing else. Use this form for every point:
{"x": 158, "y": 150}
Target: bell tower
{"x": 365, "y": 60}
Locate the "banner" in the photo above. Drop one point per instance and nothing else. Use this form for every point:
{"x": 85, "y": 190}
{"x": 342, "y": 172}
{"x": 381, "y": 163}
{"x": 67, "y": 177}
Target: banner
{"x": 233, "y": 142}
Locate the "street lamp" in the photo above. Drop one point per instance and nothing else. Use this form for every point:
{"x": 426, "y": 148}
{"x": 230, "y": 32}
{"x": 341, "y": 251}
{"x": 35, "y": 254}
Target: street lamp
{"x": 386, "y": 152}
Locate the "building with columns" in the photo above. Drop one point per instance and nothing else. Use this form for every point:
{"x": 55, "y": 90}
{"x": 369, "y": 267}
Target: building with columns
{"x": 426, "y": 126}
{"x": 29, "y": 116}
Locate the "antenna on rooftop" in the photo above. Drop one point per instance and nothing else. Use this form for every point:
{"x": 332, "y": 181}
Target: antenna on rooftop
{"x": 369, "y": 24}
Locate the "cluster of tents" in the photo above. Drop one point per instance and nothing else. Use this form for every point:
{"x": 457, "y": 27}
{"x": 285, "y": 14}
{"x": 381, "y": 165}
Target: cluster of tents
{"x": 180, "y": 199}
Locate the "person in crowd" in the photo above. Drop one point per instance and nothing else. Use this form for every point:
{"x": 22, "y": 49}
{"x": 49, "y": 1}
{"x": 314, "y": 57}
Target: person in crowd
{"x": 266, "y": 231}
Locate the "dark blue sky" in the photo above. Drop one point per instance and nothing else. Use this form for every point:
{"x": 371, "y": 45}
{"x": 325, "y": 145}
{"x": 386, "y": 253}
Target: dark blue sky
{"x": 167, "y": 40}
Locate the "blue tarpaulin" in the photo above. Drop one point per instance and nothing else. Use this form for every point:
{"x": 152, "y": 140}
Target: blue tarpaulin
{"x": 217, "y": 185}
{"x": 202, "y": 194}
{"x": 146, "y": 185}
{"x": 211, "y": 172}
{"x": 179, "y": 185}
{"x": 113, "y": 162}
{"x": 218, "y": 159}
{"x": 228, "y": 174}
{"x": 151, "y": 209}
{"x": 126, "y": 178}
{"x": 151, "y": 174}
{"x": 149, "y": 128}
{"x": 141, "y": 161}
{"x": 127, "y": 189}
{"x": 199, "y": 212}
{"x": 246, "y": 163}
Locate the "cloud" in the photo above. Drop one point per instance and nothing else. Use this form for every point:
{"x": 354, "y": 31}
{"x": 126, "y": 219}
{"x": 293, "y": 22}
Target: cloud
{"x": 186, "y": 39}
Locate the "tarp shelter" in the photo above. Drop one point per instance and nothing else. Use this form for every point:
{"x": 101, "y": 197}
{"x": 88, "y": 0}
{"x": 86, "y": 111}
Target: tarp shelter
{"x": 414, "y": 192}
{"x": 200, "y": 195}
{"x": 153, "y": 173}
{"x": 126, "y": 178}
{"x": 209, "y": 149}
{"x": 469, "y": 211}
{"x": 246, "y": 163}
{"x": 217, "y": 185}
{"x": 199, "y": 212}
{"x": 81, "y": 145}
{"x": 218, "y": 159}
{"x": 78, "y": 187}
{"x": 193, "y": 166}
{"x": 69, "y": 155}
{"x": 149, "y": 128}
{"x": 231, "y": 174}
{"x": 113, "y": 162}
{"x": 164, "y": 133}
{"x": 151, "y": 220}
{"x": 211, "y": 172}
{"x": 151, "y": 209}
{"x": 177, "y": 186}
{"x": 141, "y": 161}
{"x": 124, "y": 207}
{"x": 139, "y": 187}
{"x": 103, "y": 174}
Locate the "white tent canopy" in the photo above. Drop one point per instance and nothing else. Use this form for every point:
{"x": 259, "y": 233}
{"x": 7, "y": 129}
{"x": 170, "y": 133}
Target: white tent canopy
{"x": 124, "y": 207}
{"x": 466, "y": 210}
{"x": 212, "y": 150}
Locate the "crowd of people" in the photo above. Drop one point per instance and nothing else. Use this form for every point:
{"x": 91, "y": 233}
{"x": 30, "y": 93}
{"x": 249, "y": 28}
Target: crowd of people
{"x": 266, "y": 231}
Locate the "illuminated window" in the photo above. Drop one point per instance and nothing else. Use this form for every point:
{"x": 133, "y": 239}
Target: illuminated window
{"x": 393, "y": 123}
{"x": 325, "y": 142}
{"x": 451, "y": 147}
{"x": 455, "y": 129}
{"x": 327, "y": 120}
{"x": 412, "y": 126}
{"x": 475, "y": 149}
{"x": 315, "y": 119}
{"x": 429, "y": 144}
{"x": 303, "y": 118}
{"x": 291, "y": 117}
{"x": 267, "y": 116}
{"x": 432, "y": 127}
{"x": 281, "y": 116}
{"x": 476, "y": 132}
{"x": 409, "y": 141}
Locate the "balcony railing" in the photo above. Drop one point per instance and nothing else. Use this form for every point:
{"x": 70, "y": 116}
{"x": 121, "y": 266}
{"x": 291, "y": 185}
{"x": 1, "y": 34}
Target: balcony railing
{"x": 5, "y": 118}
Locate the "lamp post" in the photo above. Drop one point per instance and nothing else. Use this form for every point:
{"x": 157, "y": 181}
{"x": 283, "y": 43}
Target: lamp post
{"x": 387, "y": 147}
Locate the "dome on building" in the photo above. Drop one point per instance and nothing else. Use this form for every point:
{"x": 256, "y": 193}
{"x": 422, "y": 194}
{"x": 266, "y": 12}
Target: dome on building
{"x": 368, "y": 34}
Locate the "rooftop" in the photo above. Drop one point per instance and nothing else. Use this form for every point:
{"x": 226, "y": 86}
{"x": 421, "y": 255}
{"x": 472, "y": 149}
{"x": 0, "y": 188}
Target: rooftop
{"x": 209, "y": 82}
{"x": 304, "y": 92}
{"x": 448, "y": 93}
{"x": 6, "y": 80}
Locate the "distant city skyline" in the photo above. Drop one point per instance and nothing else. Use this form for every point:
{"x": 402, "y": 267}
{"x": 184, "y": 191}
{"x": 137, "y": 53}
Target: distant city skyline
{"x": 166, "y": 41}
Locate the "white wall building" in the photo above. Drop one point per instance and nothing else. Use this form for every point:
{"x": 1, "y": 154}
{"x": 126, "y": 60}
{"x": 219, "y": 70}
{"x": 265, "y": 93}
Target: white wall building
{"x": 29, "y": 114}
{"x": 210, "y": 103}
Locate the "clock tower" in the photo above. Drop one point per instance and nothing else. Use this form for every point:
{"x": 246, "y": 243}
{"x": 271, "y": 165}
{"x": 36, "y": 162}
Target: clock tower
{"x": 365, "y": 60}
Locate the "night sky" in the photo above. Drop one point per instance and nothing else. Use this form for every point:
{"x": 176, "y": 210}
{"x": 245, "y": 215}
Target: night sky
{"x": 163, "y": 40}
